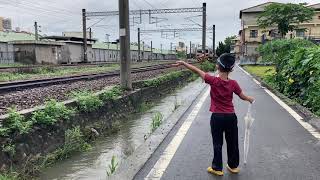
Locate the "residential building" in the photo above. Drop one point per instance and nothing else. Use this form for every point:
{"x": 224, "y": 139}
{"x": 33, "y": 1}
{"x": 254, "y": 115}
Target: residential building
{"x": 251, "y": 35}
{"x": 1, "y": 24}
{"x": 7, "y": 24}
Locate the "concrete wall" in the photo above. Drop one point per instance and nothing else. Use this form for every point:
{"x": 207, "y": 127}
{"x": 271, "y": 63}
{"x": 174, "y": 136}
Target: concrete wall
{"x": 38, "y": 54}
{"x": 104, "y": 55}
{"x": 6, "y": 53}
{"x": 73, "y": 53}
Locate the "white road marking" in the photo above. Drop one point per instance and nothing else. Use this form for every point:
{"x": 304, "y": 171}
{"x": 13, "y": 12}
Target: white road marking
{"x": 294, "y": 114}
{"x": 161, "y": 165}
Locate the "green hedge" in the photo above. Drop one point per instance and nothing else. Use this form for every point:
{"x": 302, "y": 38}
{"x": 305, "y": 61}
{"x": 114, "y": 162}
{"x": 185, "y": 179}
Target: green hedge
{"x": 297, "y": 70}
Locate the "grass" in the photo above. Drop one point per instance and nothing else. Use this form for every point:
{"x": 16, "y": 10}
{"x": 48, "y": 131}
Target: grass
{"x": 6, "y": 176}
{"x": 156, "y": 121}
{"x": 48, "y": 72}
{"x": 261, "y": 71}
{"x": 112, "y": 167}
{"x": 74, "y": 142}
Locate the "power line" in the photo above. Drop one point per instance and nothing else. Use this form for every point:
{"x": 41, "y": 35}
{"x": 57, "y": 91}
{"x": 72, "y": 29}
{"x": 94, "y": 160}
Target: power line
{"x": 150, "y": 11}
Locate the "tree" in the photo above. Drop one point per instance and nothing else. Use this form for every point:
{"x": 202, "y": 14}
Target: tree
{"x": 225, "y": 47}
{"x": 285, "y": 16}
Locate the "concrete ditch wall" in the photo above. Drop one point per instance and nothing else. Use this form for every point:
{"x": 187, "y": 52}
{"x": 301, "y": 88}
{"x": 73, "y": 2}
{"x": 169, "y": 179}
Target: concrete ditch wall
{"x": 42, "y": 140}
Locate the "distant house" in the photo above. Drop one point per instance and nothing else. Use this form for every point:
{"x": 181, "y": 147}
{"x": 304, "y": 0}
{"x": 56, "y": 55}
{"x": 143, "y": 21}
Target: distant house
{"x": 251, "y": 35}
{"x": 72, "y": 51}
{"x": 7, "y": 49}
{"x": 37, "y": 52}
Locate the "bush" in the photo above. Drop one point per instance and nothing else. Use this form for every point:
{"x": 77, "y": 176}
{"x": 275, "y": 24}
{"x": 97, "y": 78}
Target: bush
{"x": 159, "y": 80}
{"x": 87, "y": 101}
{"x": 15, "y": 122}
{"x": 74, "y": 142}
{"x": 297, "y": 70}
{"x": 52, "y": 112}
{"x": 207, "y": 66}
{"x": 112, "y": 94}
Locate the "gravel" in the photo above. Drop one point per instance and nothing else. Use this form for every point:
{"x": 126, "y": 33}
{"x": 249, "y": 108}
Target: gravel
{"x": 29, "y": 98}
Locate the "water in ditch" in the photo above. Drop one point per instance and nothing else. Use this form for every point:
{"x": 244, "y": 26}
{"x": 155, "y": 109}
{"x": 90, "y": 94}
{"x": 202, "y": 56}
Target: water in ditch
{"x": 94, "y": 163}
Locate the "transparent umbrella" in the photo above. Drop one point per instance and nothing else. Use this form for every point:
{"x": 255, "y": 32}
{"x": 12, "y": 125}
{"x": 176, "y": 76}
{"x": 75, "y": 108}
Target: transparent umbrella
{"x": 248, "y": 120}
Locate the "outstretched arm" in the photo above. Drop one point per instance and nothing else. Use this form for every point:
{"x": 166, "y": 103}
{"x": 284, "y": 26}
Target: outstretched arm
{"x": 191, "y": 67}
{"x": 246, "y": 98}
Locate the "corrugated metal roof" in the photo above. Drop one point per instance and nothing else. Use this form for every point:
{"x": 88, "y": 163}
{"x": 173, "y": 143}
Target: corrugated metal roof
{"x": 15, "y": 36}
{"x": 102, "y": 45}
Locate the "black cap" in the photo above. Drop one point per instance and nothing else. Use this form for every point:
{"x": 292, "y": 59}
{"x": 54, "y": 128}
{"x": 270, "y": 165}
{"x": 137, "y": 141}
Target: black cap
{"x": 227, "y": 61}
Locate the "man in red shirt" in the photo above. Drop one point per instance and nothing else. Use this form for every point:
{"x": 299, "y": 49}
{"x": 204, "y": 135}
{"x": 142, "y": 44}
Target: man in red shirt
{"x": 223, "y": 119}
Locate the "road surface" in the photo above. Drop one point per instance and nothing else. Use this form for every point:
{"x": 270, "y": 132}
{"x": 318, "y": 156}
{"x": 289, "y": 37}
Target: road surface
{"x": 280, "y": 147}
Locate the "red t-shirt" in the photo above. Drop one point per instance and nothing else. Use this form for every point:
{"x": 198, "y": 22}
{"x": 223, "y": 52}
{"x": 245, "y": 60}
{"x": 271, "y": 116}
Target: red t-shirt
{"x": 222, "y": 93}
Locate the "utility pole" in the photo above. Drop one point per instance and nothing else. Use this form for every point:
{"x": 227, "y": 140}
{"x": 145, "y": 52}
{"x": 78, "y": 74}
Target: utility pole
{"x": 125, "y": 59}
{"x": 171, "y": 47}
{"x": 161, "y": 48}
{"x": 190, "y": 50}
{"x": 151, "y": 51}
{"x": 142, "y": 50}
{"x": 84, "y": 28}
{"x": 90, "y": 35}
{"x": 214, "y": 40}
{"x": 204, "y": 26}
{"x": 186, "y": 52}
{"x": 36, "y": 31}
{"x": 139, "y": 52}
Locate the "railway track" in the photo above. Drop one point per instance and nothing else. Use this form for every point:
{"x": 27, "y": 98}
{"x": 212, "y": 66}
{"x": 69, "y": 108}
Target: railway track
{"x": 31, "y": 67}
{"x": 26, "y": 84}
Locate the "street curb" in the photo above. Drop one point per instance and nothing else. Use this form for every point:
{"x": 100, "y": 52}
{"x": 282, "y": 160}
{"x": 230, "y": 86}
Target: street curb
{"x": 306, "y": 114}
{"x": 132, "y": 165}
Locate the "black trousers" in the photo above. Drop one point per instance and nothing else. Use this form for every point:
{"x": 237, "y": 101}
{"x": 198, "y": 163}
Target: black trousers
{"x": 225, "y": 123}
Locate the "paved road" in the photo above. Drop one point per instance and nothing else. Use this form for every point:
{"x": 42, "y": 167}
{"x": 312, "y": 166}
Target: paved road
{"x": 280, "y": 148}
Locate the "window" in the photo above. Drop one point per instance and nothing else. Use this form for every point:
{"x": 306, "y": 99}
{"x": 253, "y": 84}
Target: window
{"x": 253, "y": 33}
{"x": 300, "y": 33}
{"x": 318, "y": 17}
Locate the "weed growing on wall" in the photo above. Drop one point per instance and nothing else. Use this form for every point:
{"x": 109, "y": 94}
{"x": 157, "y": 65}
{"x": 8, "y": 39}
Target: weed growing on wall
{"x": 15, "y": 122}
{"x": 87, "y": 101}
{"x": 112, "y": 94}
{"x": 10, "y": 149}
{"x": 52, "y": 112}
{"x": 74, "y": 142}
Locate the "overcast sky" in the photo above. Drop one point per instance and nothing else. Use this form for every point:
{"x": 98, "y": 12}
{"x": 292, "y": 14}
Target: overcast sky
{"x": 56, "y": 16}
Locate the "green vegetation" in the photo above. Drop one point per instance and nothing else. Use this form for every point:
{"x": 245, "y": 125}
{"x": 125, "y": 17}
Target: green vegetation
{"x": 286, "y": 17}
{"x": 261, "y": 71}
{"x": 52, "y": 112}
{"x": 15, "y": 122}
{"x": 207, "y": 66}
{"x": 113, "y": 166}
{"x": 156, "y": 121}
{"x": 49, "y": 71}
{"x": 87, "y": 101}
{"x": 10, "y": 149}
{"x": 181, "y": 55}
{"x": 112, "y": 94}
{"x": 74, "y": 142}
{"x": 297, "y": 70}
{"x": 9, "y": 176}
{"x": 224, "y": 47}
{"x": 165, "y": 78}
